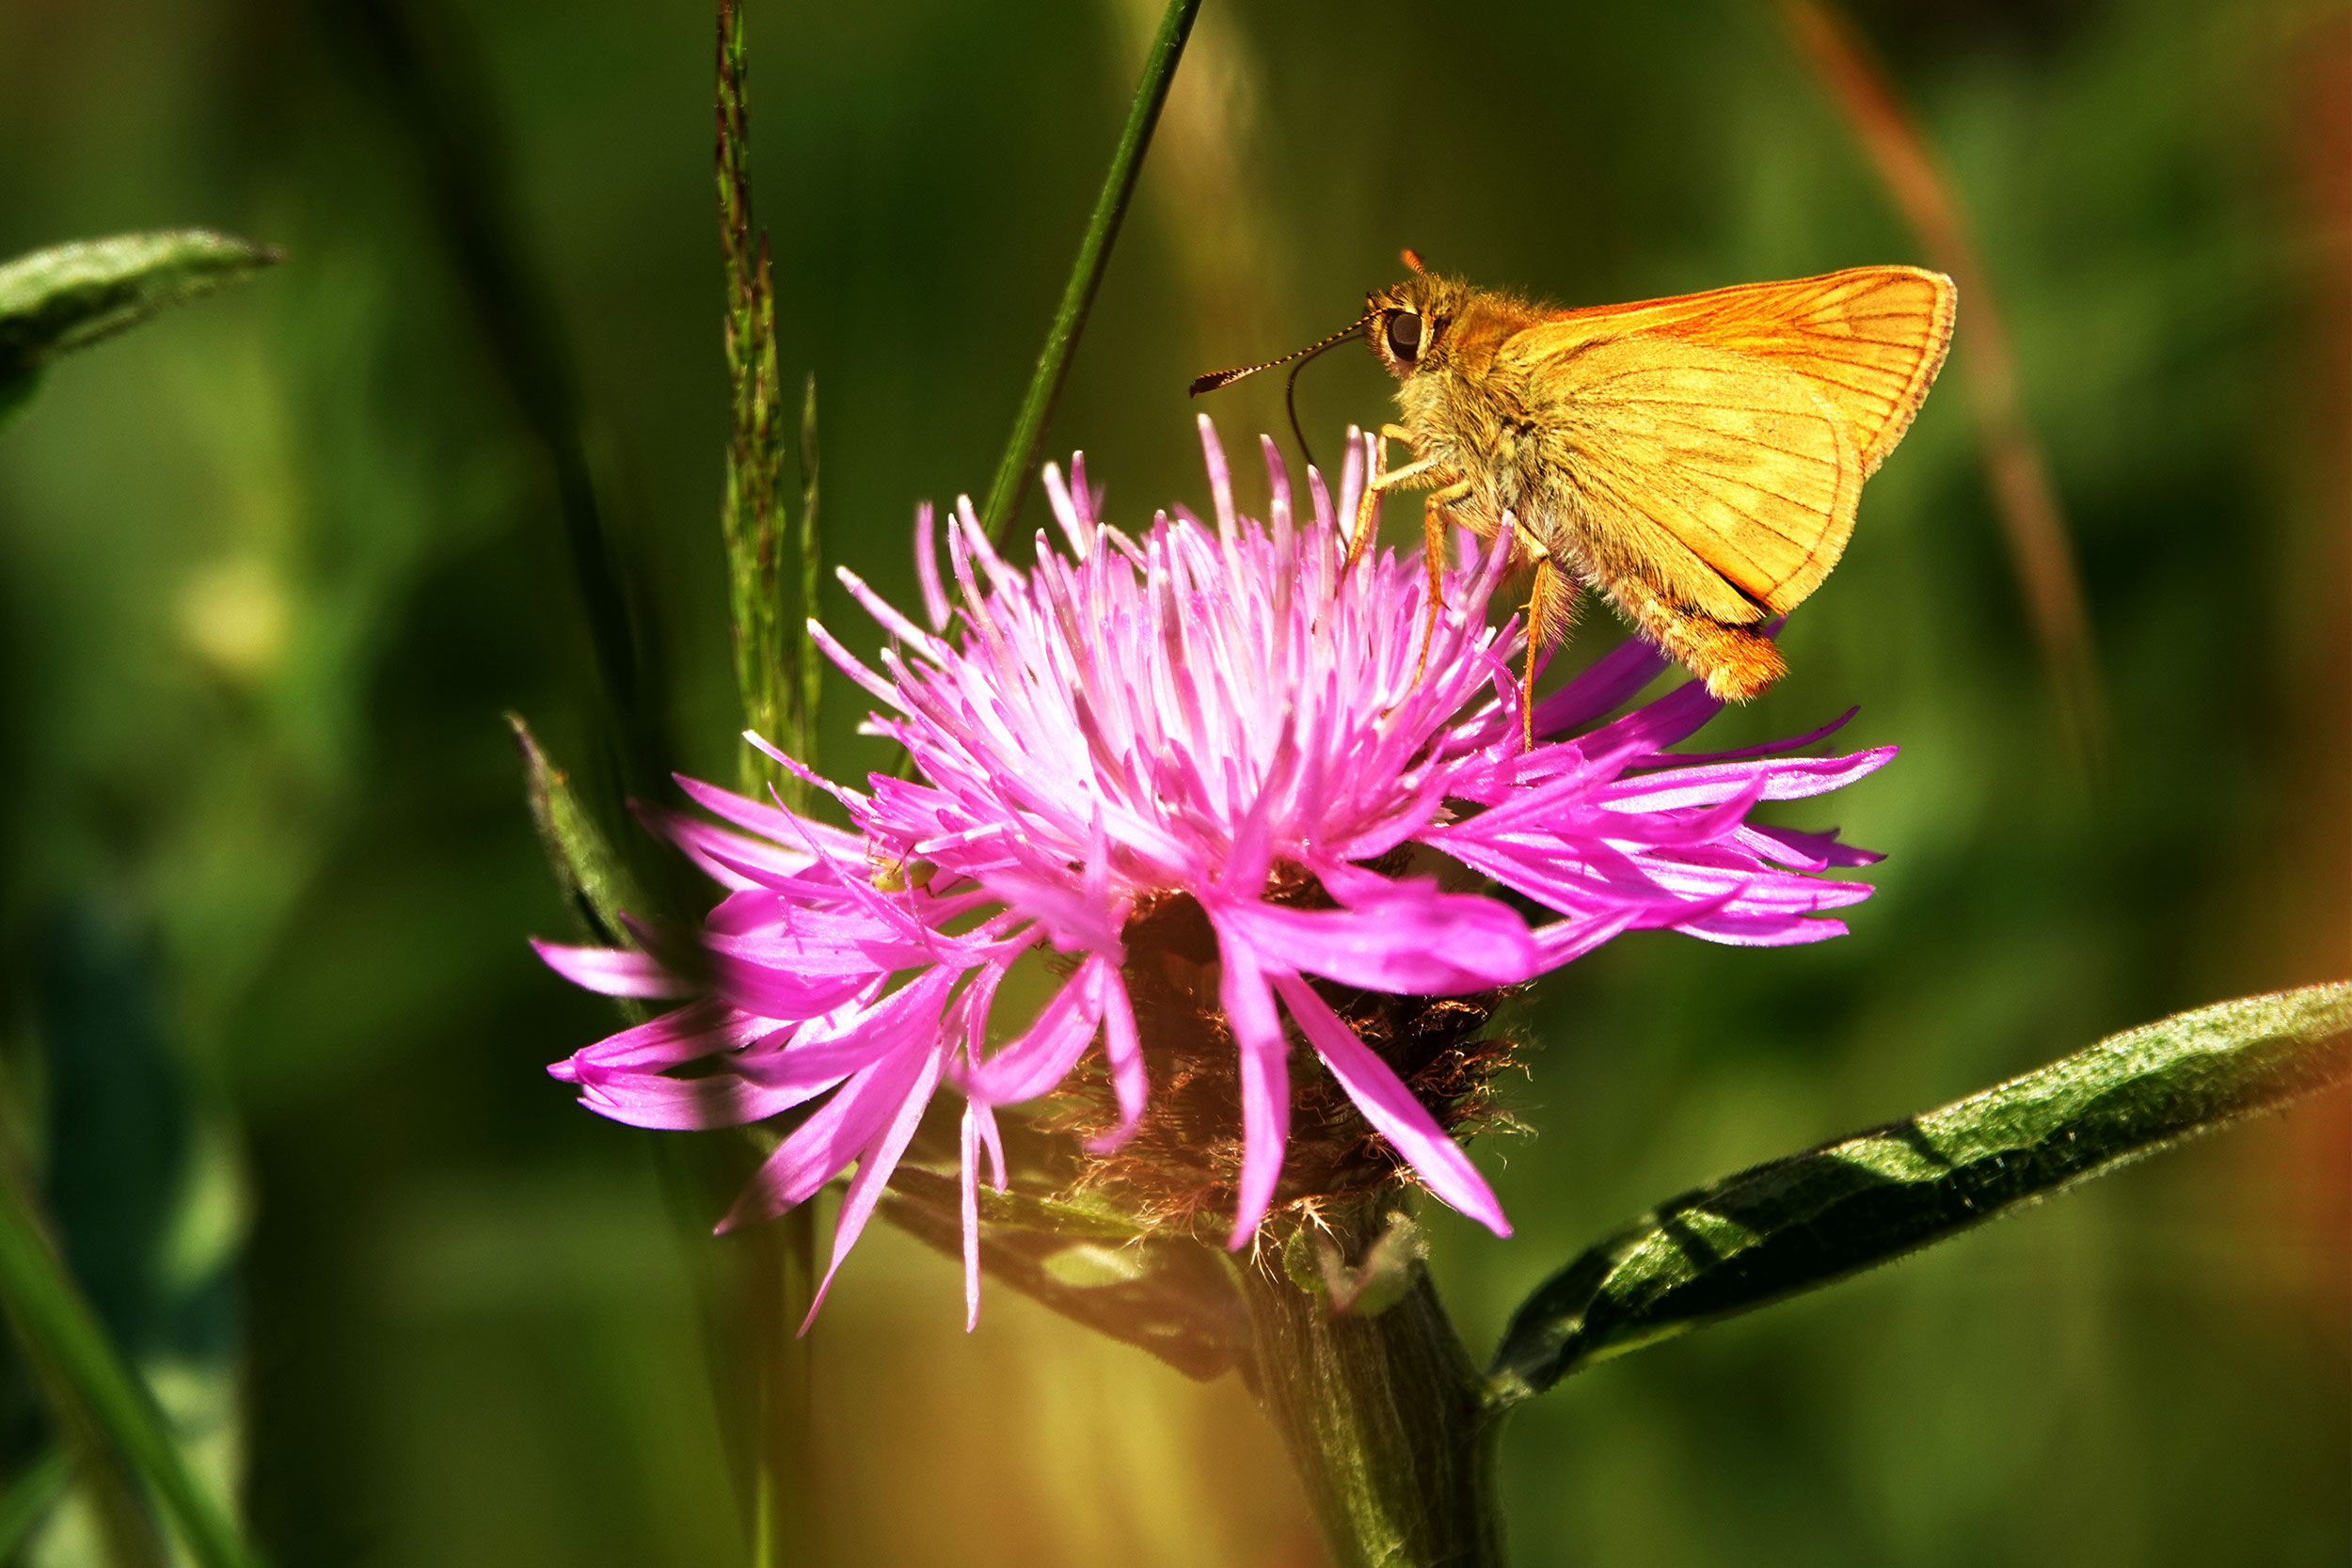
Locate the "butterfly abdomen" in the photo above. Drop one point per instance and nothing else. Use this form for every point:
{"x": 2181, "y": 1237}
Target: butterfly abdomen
{"x": 1737, "y": 663}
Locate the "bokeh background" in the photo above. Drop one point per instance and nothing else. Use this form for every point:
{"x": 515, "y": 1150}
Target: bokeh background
{"x": 272, "y": 568}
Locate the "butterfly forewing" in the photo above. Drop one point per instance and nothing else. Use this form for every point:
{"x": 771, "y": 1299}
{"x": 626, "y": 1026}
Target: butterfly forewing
{"x": 1870, "y": 339}
{"x": 1717, "y": 443}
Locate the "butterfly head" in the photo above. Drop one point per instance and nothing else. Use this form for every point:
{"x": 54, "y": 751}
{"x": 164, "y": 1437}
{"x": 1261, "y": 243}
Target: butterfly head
{"x": 1409, "y": 324}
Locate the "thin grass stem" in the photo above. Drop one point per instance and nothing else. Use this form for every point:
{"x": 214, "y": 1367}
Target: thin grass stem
{"x": 1085, "y": 275}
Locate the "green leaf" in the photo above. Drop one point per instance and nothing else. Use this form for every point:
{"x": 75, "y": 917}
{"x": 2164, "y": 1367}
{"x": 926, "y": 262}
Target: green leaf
{"x": 72, "y": 295}
{"x": 595, "y": 880}
{"x": 1169, "y": 1295}
{"x": 1392, "y": 1264}
{"x": 1812, "y": 1218}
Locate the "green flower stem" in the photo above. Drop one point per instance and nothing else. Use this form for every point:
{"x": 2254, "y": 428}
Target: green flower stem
{"x": 1380, "y": 1408}
{"x": 62, "y": 1337}
{"x": 768, "y": 1272}
{"x": 754, "y": 1287}
{"x": 780, "y": 1283}
{"x": 1085, "y": 273}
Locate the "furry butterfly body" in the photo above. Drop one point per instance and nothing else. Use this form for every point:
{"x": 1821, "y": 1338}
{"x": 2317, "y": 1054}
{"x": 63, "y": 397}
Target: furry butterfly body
{"x": 1697, "y": 460}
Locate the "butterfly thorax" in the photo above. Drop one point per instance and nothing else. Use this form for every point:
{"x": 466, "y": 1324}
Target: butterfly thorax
{"x": 1478, "y": 434}
{"x": 1469, "y": 420}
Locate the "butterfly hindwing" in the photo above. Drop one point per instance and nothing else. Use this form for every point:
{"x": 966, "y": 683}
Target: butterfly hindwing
{"x": 1724, "y": 479}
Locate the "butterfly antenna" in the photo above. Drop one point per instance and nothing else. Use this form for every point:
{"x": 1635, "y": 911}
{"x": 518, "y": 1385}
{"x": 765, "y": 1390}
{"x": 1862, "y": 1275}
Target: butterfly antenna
{"x": 1290, "y": 404}
{"x": 1217, "y": 379}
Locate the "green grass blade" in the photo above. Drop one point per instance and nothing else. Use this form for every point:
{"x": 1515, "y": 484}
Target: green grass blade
{"x": 1803, "y": 1221}
{"x": 61, "y": 1335}
{"x": 24, "y": 1506}
{"x": 756, "y": 1294}
{"x": 1085, "y": 273}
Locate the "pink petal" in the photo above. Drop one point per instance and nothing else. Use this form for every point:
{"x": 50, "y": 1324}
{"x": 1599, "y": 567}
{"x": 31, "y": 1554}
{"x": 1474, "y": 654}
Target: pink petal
{"x": 613, "y": 971}
{"x": 876, "y": 1160}
{"x": 820, "y": 943}
{"x": 887, "y": 616}
{"x": 736, "y": 859}
{"x": 678, "y": 1037}
{"x": 821, "y": 1147}
{"x": 1781, "y": 779}
{"x": 1611, "y": 682}
{"x": 688, "y": 1105}
{"x": 1769, "y": 749}
{"x": 1816, "y": 851}
{"x": 1413, "y": 941}
{"x": 747, "y": 910}
{"x": 1391, "y": 1107}
{"x": 876, "y": 687}
{"x": 969, "y": 1182}
{"x": 1074, "y": 526}
{"x": 786, "y": 828}
{"x": 926, "y": 569}
{"x": 831, "y": 1048}
{"x": 1220, "y": 477}
{"x": 772, "y": 991}
{"x": 1042, "y": 1057}
{"x": 1564, "y": 940}
{"x": 1124, "y": 1052}
{"x": 1266, "y": 1081}
{"x": 1071, "y": 919}
{"x": 1731, "y": 931}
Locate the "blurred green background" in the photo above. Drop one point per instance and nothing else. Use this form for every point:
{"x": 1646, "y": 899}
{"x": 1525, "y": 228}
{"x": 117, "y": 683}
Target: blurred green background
{"x": 272, "y": 567}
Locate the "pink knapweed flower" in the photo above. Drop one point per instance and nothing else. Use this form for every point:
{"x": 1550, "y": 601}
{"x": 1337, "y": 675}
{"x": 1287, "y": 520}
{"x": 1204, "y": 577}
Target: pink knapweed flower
{"x": 1213, "y": 713}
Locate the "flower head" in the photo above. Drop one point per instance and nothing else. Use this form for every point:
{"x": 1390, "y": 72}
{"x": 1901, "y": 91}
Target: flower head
{"x": 1213, "y": 729}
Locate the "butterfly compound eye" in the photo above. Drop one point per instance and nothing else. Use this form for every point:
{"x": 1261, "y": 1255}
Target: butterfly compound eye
{"x": 1404, "y": 330}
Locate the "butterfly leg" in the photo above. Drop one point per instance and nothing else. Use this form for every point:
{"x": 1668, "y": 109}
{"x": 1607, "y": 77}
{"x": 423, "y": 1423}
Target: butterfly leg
{"x": 1433, "y": 521}
{"x": 1382, "y": 480}
{"x": 1394, "y": 479}
{"x": 1541, "y": 613}
{"x": 1368, "y": 505}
